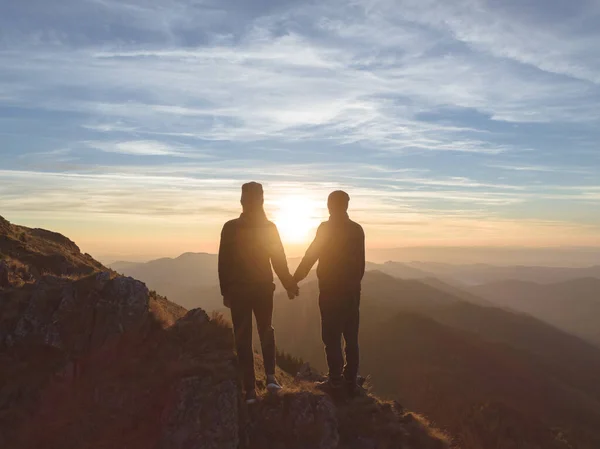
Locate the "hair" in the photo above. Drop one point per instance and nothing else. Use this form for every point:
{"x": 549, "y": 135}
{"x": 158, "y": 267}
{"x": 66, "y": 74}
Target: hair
{"x": 253, "y": 198}
{"x": 338, "y": 201}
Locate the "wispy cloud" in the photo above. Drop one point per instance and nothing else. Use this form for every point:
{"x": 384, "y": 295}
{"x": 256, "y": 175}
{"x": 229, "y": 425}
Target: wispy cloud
{"x": 539, "y": 168}
{"x": 142, "y": 148}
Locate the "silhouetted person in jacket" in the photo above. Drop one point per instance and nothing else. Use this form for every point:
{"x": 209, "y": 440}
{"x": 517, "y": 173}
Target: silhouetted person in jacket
{"x": 249, "y": 245}
{"x": 339, "y": 246}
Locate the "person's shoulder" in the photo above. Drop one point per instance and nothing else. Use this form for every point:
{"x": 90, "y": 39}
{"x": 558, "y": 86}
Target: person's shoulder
{"x": 271, "y": 225}
{"x": 231, "y": 224}
{"x": 357, "y": 228}
{"x": 323, "y": 226}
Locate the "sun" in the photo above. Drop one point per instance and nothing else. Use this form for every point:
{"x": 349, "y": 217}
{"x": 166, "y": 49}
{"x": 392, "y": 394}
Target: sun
{"x": 296, "y": 217}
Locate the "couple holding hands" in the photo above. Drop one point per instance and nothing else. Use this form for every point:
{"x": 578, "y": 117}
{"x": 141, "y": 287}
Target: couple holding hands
{"x": 250, "y": 245}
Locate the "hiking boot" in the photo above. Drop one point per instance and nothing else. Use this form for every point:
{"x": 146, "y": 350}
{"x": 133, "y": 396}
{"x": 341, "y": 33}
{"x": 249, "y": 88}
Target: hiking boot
{"x": 272, "y": 385}
{"x": 360, "y": 381}
{"x": 355, "y": 387}
{"x": 251, "y": 397}
{"x": 330, "y": 385}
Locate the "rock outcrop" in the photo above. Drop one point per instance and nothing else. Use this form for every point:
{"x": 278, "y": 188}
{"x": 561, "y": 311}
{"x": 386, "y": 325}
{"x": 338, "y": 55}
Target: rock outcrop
{"x": 302, "y": 417}
{"x": 299, "y": 418}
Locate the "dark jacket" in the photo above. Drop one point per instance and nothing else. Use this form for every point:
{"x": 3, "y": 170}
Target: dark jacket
{"x": 339, "y": 246}
{"x": 248, "y": 247}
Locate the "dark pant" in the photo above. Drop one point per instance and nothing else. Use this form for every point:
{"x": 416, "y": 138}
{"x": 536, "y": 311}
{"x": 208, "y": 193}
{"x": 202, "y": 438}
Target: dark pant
{"x": 340, "y": 317}
{"x": 261, "y": 303}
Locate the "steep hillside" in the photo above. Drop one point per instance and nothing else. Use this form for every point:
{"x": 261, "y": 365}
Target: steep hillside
{"x": 90, "y": 359}
{"x": 573, "y": 305}
{"x": 486, "y": 394}
{"x": 492, "y": 378}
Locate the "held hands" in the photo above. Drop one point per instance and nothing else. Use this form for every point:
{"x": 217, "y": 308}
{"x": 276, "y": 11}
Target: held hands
{"x": 293, "y": 291}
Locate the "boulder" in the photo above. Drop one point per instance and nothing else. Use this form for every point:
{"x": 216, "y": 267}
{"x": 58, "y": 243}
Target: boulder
{"x": 80, "y": 316}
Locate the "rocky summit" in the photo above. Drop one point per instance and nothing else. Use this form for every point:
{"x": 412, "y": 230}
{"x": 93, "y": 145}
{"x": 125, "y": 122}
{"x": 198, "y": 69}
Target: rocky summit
{"x": 91, "y": 359}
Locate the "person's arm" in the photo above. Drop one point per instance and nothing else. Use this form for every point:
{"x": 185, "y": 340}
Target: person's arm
{"x": 279, "y": 261}
{"x": 312, "y": 255}
{"x": 362, "y": 253}
{"x": 225, "y": 261}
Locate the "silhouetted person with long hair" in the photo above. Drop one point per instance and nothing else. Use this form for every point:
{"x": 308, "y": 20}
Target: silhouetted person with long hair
{"x": 339, "y": 246}
{"x": 249, "y": 245}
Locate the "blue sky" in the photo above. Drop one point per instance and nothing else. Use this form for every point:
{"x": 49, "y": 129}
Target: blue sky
{"x": 129, "y": 125}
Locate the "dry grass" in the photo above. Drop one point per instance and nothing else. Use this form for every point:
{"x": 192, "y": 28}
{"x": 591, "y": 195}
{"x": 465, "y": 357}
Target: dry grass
{"x": 165, "y": 311}
{"x": 18, "y": 272}
{"x": 289, "y": 363}
{"x": 367, "y": 417}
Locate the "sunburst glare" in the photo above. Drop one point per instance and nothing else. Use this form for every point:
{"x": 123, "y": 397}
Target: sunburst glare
{"x": 296, "y": 217}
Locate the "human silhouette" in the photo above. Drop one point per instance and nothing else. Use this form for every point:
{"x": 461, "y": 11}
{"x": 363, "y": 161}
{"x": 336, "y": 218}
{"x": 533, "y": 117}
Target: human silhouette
{"x": 249, "y": 245}
{"x": 339, "y": 246}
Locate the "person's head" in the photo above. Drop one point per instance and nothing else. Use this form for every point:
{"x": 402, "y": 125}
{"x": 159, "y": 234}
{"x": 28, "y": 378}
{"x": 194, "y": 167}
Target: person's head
{"x": 252, "y": 197}
{"x": 337, "y": 203}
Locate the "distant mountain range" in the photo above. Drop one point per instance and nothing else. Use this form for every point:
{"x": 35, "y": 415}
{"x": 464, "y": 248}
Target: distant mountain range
{"x": 572, "y": 305}
{"x": 191, "y": 279}
{"x": 482, "y": 273}
{"x": 504, "y": 256}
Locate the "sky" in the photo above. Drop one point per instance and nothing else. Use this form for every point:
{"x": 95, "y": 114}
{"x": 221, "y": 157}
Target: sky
{"x": 130, "y": 125}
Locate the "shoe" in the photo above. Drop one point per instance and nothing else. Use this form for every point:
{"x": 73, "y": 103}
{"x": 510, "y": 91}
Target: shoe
{"x": 330, "y": 385}
{"x": 355, "y": 387}
{"x": 360, "y": 380}
{"x": 251, "y": 397}
{"x": 272, "y": 385}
